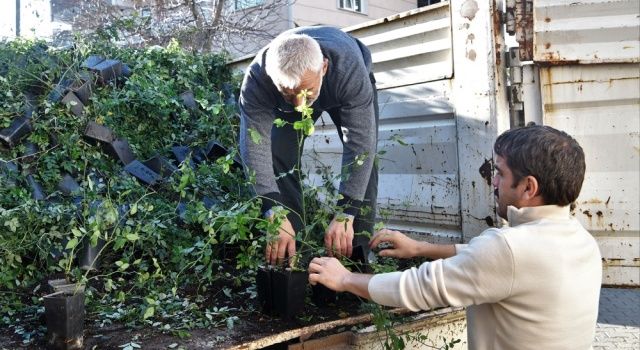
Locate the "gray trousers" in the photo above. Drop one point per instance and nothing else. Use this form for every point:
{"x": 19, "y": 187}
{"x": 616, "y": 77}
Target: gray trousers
{"x": 284, "y": 149}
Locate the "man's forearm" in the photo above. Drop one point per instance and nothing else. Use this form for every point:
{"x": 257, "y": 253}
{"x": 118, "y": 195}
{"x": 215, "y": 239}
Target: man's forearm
{"x": 358, "y": 284}
{"x": 436, "y": 251}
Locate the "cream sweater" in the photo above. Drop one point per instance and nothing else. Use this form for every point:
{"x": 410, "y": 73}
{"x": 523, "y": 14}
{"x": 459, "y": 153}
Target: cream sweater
{"x": 533, "y": 285}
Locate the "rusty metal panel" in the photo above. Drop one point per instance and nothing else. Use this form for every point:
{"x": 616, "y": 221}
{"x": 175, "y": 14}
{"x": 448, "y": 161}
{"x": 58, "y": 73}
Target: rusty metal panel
{"x": 599, "y": 105}
{"x": 411, "y": 47}
{"x": 593, "y": 31}
{"x": 482, "y": 112}
{"x": 519, "y": 22}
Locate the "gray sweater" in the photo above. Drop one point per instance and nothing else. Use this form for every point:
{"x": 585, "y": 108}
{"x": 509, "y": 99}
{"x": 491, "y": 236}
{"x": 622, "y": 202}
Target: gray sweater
{"x": 346, "y": 86}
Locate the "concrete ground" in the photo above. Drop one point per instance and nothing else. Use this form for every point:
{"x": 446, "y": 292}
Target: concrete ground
{"x": 618, "y": 320}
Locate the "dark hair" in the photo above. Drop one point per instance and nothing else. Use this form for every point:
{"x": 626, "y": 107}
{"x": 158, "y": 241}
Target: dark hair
{"x": 553, "y": 157}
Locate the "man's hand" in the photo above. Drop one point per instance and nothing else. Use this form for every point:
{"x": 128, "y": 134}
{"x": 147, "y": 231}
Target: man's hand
{"x": 329, "y": 272}
{"x": 402, "y": 246}
{"x": 284, "y": 246}
{"x": 339, "y": 236}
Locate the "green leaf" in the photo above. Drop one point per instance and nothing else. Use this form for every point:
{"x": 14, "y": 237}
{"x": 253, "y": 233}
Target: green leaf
{"x": 122, "y": 265}
{"x": 149, "y": 312}
{"x": 72, "y": 243}
{"x": 255, "y": 136}
{"x": 132, "y": 236}
{"x": 398, "y": 139}
{"x": 279, "y": 122}
{"x": 76, "y": 232}
{"x": 134, "y": 209}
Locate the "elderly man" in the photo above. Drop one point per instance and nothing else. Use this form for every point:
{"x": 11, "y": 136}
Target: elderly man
{"x": 334, "y": 69}
{"x": 532, "y": 285}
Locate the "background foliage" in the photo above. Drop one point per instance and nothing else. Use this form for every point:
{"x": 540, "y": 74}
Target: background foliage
{"x": 154, "y": 266}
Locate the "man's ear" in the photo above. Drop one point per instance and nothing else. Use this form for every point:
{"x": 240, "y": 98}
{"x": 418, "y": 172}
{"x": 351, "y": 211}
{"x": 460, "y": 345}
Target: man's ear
{"x": 325, "y": 65}
{"x": 531, "y": 187}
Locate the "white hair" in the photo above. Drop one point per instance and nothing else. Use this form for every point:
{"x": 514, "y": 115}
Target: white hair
{"x": 290, "y": 56}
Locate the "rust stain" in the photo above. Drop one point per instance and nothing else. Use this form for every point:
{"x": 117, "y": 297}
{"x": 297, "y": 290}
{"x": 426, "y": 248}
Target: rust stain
{"x": 548, "y": 106}
{"x": 600, "y": 219}
{"x": 547, "y": 45}
{"x": 496, "y": 17}
{"x": 524, "y": 29}
{"x": 485, "y": 171}
{"x": 547, "y": 19}
{"x": 588, "y": 214}
{"x": 470, "y": 38}
{"x": 554, "y": 59}
{"x": 471, "y": 55}
{"x": 593, "y": 201}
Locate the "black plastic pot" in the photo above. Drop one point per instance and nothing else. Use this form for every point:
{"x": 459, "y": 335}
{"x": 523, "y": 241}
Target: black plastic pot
{"x": 181, "y": 211}
{"x": 92, "y": 61}
{"x": 263, "y": 287}
{"x": 161, "y": 165}
{"x": 215, "y": 150}
{"x": 88, "y": 257}
{"x": 8, "y": 172}
{"x": 30, "y": 152}
{"x": 74, "y": 103}
{"x": 19, "y": 128}
{"x": 210, "y": 202}
{"x": 68, "y": 185}
{"x": 198, "y": 155}
{"x": 108, "y": 70}
{"x": 322, "y": 296}
{"x": 288, "y": 289}
{"x": 37, "y": 192}
{"x": 180, "y": 153}
{"x": 82, "y": 89}
{"x": 360, "y": 257}
{"x": 64, "y": 311}
{"x": 281, "y": 293}
{"x": 126, "y": 71}
{"x": 143, "y": 173}
{"x": 95, "y": 132}
{"x": 120, "y": 150}
{"x": 188, "y": 100}
{"x": 57, "y": 93}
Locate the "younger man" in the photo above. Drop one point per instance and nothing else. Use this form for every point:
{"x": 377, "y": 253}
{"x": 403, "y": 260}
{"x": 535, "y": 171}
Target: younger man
{"x": 532, "y": 285}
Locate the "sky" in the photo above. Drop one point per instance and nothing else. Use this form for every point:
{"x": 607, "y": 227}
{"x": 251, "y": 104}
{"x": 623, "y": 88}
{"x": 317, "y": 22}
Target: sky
{"x": 35, "y": 17}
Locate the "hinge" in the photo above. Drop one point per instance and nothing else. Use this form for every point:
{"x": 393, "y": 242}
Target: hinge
{"x": 519, "y": 22}
{"x": 525, "y": 104}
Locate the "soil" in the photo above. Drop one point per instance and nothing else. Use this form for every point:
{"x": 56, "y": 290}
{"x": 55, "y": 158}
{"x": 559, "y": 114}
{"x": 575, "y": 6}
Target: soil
{"x": 251, "y": 326}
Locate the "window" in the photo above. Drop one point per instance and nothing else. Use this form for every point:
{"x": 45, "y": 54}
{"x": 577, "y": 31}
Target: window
{"x": 245, "y": 4}
{"x": 422, "y": 3}
{"x": 353, "y": 5}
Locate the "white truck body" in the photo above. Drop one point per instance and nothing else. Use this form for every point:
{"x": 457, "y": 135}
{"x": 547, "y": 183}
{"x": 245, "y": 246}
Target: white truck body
{"x": 447, "y": 88}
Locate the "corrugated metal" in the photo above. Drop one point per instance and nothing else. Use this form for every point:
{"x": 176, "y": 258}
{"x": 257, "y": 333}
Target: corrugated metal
{"x": 409, "y": 48}
{"x": 599, "y": 105}
{"x": 593, "y": 31}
